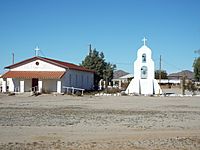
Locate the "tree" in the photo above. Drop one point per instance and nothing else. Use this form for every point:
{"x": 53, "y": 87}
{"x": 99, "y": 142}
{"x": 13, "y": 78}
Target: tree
{"x": 96, "y": 62}
{"x": 190, "y": 86}
{"x": 196, "y": 67}
{"x": 163, "y": 74}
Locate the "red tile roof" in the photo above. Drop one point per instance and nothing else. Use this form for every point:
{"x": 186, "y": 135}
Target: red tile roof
{"x": 68, "y": 65}
{"x": 34, "y": 74}
{"x": 52, "y": 61}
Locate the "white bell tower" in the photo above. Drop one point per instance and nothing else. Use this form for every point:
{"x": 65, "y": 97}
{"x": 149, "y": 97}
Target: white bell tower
{"x": 144, "y": 82}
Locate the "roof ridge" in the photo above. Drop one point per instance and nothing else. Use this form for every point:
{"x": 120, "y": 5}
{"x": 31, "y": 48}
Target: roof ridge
{"x": 52, "y": 61}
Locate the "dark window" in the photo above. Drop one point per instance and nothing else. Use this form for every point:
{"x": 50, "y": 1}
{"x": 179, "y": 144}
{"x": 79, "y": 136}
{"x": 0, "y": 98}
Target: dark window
{"x": 144, "y": 72}
{"x": 144, "y": 58}
{"x": 37, "y": 63}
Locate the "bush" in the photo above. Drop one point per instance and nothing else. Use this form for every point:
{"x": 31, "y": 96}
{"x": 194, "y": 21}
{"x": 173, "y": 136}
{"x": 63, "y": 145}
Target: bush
{"x": 78, "y": 93}
{"x": 112, "y": 90}
{"x": 190, "y": 86}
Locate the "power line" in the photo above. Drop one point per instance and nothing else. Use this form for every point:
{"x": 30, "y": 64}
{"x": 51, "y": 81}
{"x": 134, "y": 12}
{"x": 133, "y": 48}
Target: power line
{"x": 172, "y": 65}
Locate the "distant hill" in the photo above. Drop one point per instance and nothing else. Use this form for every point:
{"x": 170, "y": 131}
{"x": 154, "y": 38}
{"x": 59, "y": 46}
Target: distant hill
{"x": 189, "y": 74}
{"x": 119, "y": 73}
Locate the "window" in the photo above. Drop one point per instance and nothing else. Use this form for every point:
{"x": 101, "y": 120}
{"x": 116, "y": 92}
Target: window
{"x": 144, "y": 58}
{"x": 37, "y": 63}
{"x": 144, "y": 72}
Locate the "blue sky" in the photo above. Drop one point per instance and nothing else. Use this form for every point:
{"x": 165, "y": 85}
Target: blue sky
{"x": 64, "y": 28}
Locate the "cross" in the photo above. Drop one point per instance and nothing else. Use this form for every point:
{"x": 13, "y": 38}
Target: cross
{"x": 37, "y": 51}
{"x": 144, "y": 40}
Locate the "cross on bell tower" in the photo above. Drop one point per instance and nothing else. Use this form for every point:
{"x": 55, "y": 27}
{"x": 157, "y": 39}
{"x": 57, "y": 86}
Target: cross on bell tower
{"x": 144, "y": 40}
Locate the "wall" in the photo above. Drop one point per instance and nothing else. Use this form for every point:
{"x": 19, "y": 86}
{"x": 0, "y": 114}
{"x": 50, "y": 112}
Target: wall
{"x": 1, "y": 83}
{"x": 49, "y": 85}
{"x": 27, "y": 85}
{"x": 78, "y": 79}
{"x": 43, "y": 66}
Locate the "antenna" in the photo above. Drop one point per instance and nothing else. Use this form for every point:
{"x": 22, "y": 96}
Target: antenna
{"x": 37, "y": 51}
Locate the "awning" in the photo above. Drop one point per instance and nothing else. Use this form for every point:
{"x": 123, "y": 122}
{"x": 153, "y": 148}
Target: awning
{"x": 34, "y": 74}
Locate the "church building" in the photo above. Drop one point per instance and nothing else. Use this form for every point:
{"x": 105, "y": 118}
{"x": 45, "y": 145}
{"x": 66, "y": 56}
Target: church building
{"x": 144, "y": 82}
{"x": 46, "y": 75}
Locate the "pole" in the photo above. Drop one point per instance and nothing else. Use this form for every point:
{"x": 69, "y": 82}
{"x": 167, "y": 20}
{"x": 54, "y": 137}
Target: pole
{"x": 13, "y": 58}
{"x": 160, "y": 70}
{"x": 90, "y": 47}
{"x": 183, "y": 84}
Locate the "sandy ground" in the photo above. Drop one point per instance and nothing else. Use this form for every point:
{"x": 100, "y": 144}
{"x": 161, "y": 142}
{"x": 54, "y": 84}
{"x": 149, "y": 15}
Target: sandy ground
{"x": 93, "y": 123}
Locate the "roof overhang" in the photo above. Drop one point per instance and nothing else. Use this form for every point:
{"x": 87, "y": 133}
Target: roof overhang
{"x": 34, "y": 74}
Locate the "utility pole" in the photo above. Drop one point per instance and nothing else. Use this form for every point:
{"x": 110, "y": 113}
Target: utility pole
{"x": 90, "y": 49}
{"x": 183, "y": 84}
{"x": 160, "y": 70}
{"x": 13, "y": 58}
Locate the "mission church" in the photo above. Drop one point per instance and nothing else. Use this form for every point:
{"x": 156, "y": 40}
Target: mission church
{"x": 45, "y": 75}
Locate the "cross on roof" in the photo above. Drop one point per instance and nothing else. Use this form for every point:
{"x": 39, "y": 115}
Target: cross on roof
{"x": 37, "y": 51}
{"x": 144, "y": 40}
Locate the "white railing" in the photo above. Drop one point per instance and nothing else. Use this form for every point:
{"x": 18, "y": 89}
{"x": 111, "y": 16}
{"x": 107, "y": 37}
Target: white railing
{"x": 73, "y": 89}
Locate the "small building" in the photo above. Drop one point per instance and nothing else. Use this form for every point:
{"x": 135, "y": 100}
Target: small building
{"x": 46, "y": 75}
{"x": 119, "y": 82}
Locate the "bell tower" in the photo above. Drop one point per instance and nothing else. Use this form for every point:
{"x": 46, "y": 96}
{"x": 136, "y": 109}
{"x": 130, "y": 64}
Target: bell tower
{"x": 144, "y": 82}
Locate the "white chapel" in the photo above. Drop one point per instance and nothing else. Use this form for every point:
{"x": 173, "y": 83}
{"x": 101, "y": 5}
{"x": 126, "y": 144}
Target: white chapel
{"x": 45, "y": 74}
{"x": 144, "y": 82}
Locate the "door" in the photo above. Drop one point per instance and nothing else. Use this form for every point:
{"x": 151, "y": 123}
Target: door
{"x": 34, "y": 84}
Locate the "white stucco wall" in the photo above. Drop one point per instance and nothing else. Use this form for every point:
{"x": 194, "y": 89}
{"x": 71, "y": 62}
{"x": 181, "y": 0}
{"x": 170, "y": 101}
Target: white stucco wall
{"x": 1, "y": 81}
{"x": 43, "y": 66}
{"x": 1, "y": 84}
{"x": 10, "y": 84}
{"x": 14, "y": 84}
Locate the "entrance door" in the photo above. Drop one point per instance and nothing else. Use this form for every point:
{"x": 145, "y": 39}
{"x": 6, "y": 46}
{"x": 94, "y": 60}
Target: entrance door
{"x": 34, "y": 84}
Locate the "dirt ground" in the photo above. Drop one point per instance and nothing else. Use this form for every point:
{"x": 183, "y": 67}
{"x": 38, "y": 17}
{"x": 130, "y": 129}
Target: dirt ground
{"x": 99, "y": 123}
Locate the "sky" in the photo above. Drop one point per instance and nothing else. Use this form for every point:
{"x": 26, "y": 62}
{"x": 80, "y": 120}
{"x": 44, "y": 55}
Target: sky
{"x": 63, "y": 29}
